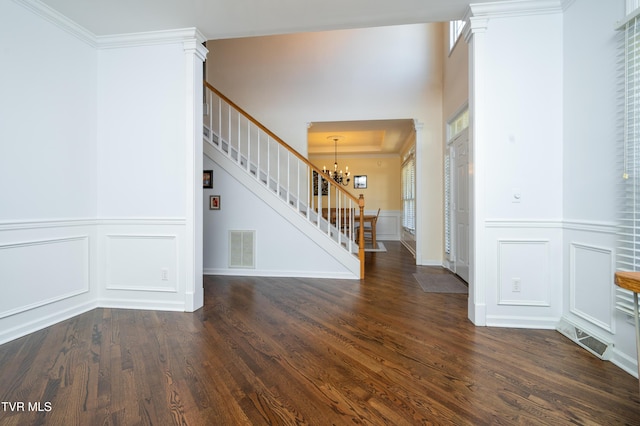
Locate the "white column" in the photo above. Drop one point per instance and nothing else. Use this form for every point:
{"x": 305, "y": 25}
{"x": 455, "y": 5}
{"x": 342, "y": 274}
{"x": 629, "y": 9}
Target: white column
{"x": 475, "y": 36}
{"x": 195, "y": 55}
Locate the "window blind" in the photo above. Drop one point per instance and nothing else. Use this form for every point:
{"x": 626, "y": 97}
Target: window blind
{"x": 447, "y": 205}
{"x": 409, "y": 194}
{"x": 455, "y": 30}
{"x": 628, "y": 255}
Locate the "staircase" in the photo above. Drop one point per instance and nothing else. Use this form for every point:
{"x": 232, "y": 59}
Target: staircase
{"x": 284, "y": 179}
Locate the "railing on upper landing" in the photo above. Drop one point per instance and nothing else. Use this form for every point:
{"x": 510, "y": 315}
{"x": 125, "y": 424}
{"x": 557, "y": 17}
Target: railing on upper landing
{"x": 284, "y": 171}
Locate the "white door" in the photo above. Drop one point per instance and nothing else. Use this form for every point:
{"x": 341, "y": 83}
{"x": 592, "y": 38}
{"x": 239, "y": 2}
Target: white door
{"x": 460, "y": 193}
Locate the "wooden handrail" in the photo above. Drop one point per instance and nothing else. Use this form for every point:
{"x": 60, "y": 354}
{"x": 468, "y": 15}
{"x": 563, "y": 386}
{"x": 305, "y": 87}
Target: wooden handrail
{"x": 359, "y": 200}
{"x": 280, "y": 141}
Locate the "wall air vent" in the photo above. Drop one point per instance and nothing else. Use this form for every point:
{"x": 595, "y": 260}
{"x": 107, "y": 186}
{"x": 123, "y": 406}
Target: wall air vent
{"x": 242, "y": 248}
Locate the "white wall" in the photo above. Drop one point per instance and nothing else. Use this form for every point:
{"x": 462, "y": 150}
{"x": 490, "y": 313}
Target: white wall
{"x": 141, "y": 174}
{"x": 525, "y": 110}
{"x": 544, "y": 124}
{"x": 93, "y": 169}
{"x": 141, "y": 160}
{"x": 367, "y": 74}
{"x": 590, "y": 128}
{"x": 591, "y": 174}
{"x": 143, "y": 171}
{"x": 48, "y": 114}
{"x": 281, "y": 249}
{"x": 516, "y": 128}
{"x": 47, "y": 173}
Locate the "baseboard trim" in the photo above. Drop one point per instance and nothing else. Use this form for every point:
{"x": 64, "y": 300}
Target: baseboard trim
{"x": 624, "y": 362}
{"x": 46, "y": 321}
{"x": 429, "y": 262}
{"x": 279, "y": 274}
{"x": 150, "y": 305}
{"x": 508, "y": 321}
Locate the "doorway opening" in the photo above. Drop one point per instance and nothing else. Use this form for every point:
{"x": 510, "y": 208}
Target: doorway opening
{"x": 373, "y": 151}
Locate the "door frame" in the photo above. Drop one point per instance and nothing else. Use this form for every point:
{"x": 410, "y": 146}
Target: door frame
{"x": 451, "y": 190}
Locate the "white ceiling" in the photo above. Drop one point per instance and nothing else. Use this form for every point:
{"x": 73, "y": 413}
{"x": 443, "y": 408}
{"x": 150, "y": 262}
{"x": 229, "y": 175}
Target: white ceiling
{"x": 239, "y": 18}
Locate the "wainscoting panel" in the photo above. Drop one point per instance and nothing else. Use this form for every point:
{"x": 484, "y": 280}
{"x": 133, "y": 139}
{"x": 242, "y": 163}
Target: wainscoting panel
{"x": 523, "y": 272}
{"x": 389, "y": 225}
{"x": 39, "y": 272}
{"x": 590, "y": 293}
{"x": 142, "y": 262}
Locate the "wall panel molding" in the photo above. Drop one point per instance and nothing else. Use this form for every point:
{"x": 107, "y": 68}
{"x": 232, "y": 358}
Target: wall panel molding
{"x": 591, "y": 269}
{"x": 63, "y": 263}
{"x": 142, "y": 262}
{"x": 142, "y": 221}
{"x": 45, "y": 223}
{"x": 524, "y": 223}
{"x": 389, "y": 225}
{"x": 591, "y": 226}
{"x": 526, "y": 262}
{"x": 16, "y": 225}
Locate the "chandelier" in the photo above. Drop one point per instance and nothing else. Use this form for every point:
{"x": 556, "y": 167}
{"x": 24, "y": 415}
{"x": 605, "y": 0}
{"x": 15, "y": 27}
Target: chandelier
{"x": 338, "y": 176}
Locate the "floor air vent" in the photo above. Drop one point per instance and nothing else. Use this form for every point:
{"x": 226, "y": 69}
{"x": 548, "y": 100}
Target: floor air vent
{"x": 590, "y": 342}
{"x": 242, "y": 249}
{"x": 587, "y": 341}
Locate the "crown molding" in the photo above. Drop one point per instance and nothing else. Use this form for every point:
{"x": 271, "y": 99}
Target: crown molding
{"x": 478, "y": 15}
{"x": 56, "y": 18}
{"x": 352, "y": 156}
{"x": 183, "y": 35}
{"x": 566, "y": 4}
{"x": 150, "y": 38}
{"x": 504, "y": 9}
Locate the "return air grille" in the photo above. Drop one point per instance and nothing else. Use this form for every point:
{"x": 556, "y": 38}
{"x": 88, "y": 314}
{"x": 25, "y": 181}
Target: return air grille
{"x": 590, "y": 342}
{"x": 242, "y": 249}
{"x": 593, "y": 344}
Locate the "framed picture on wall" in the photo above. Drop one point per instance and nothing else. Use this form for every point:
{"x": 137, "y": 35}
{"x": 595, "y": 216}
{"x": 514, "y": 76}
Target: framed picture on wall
{"x": 214, "y": 202}
{"x": 325, "y": 184}
{"x": 360, "y": 182}
{"x": 207, "y": 179}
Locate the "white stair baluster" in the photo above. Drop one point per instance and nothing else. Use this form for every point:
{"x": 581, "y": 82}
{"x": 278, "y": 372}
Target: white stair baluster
{"x": 293, "y": 178}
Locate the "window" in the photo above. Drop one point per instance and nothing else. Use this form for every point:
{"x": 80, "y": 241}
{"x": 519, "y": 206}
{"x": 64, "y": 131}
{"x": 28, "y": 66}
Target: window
{"x": 455, "y": 30}
{"x": 409, "y": 193}
{"x": 458, "y": 124}
{"x": 629, "y": 206}
{"x": 447, "y": 205}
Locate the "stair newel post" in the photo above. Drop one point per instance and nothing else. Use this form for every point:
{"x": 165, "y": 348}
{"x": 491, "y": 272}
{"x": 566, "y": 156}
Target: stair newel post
{"x": 361, "y": 236}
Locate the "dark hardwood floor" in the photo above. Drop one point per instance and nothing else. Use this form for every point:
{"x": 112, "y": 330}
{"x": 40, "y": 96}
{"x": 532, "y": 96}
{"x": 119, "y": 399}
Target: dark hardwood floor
{"x": 309, "y": 351}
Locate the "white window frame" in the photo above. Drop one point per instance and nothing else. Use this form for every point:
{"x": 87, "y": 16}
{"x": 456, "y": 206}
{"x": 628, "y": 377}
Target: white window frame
{"x": 409, "y": 193}
{"x": 455, "y": 31}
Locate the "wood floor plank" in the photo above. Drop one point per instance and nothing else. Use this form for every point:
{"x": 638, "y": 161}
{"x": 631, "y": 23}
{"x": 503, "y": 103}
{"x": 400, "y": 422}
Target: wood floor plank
{"x": 310, "y": 351}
